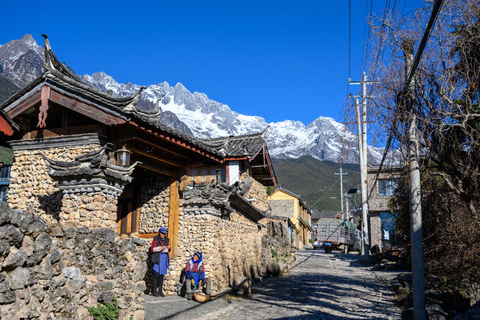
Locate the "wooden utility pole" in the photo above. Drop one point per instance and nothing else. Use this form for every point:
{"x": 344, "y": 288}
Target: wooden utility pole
{"x": 416, "y": 235}
{"x": 362, "y": 150}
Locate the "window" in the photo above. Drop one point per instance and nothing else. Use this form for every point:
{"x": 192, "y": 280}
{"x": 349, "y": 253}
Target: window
{"x": 387, "y": 187}
{"x": 204, "y": 174}
{"x": 388, "y": 228}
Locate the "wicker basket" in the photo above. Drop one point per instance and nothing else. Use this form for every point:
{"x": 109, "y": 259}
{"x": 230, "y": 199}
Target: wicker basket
{"x": 201, "y": 297}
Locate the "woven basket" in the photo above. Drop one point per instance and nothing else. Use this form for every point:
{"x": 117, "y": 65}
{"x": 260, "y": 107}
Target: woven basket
{"x": 201, "y": 297}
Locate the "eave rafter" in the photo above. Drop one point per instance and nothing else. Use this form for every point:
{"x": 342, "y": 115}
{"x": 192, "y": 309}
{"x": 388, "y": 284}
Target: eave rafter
{"x": 178, "y": 142}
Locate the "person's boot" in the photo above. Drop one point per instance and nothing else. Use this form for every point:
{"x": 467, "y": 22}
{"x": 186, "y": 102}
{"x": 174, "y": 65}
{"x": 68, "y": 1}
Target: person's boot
{"x": 155, "y": 286}
{"x": 160, "y": 287}
{"x": 189, "y": 296}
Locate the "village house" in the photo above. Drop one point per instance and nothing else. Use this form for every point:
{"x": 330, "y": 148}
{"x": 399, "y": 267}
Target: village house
{"x": 381, "y": 185}
{"x": 284, "y": 203}
{"x": 86, "y": 159}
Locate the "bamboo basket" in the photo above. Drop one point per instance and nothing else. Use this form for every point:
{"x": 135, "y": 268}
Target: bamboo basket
{"x": 201, "y": 297}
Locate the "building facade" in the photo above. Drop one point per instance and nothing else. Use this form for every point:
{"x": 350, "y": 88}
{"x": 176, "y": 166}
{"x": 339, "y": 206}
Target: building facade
{"x": 284, "y": 203}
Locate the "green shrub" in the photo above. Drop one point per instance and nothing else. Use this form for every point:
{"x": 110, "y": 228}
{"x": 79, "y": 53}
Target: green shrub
{"x": 107, "y": 311}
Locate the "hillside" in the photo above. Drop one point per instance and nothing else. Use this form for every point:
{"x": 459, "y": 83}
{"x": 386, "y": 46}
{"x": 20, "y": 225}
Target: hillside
{"x": 315, "y": 180}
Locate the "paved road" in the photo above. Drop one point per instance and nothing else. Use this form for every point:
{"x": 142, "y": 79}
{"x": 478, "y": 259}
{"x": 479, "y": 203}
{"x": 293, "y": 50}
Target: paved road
{"x": 318, "y": 286}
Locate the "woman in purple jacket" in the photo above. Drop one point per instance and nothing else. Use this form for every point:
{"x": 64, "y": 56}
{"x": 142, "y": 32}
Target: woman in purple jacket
{"x": 160, "y": 247}
{"x": 195, "y": 272}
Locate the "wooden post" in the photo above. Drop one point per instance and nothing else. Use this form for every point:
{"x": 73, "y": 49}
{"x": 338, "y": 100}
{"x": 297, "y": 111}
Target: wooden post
{"x": 173, "y": 217}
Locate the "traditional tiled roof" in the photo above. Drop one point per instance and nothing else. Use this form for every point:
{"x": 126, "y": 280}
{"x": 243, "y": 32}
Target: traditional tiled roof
{"x": 239, "y": 146}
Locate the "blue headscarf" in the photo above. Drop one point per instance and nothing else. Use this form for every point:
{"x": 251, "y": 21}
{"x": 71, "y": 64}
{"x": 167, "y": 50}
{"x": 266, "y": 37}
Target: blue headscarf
{"x": 163, "y": 230}
{"x": 199, "y": 255}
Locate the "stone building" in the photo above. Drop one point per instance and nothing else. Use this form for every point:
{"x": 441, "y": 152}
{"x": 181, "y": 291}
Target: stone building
{"x": 84, "y": 158}
{"x": 284, "y": 203}
{"x": 381, "y": 186}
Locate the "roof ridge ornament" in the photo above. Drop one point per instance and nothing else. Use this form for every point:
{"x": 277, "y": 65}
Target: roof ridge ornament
{"x": 47, "y": 52}
{"x": 52, "y": 63}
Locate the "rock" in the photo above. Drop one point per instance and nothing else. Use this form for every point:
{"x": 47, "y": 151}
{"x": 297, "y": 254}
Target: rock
{"x": 22, "y": 219}
{"x": 75, "y": 285}
{"x": 435, "y": 312}
{"x": 242, "y": 284}
{"x": 11, "y": 234}
{"x": 4, "y": 247}
{"x": 273, "y": 269}
{"x": 19, "y": 278}
{"x": 4, "y": 284}
{"x": 36, "y": 227}
{"x": 106, "y": 297}
{"x": 107, "y": 285}
{"x": 5, "y": 213}
{"x": 8, "y": 297}
{"x": 16, "y": 258}
{"x": 44, "y": 270}
{"x": 43, "y": 242}
{"x": 71, "y": 273}
{"x": 55, "y": 255}
{"x": 55, "y": 231}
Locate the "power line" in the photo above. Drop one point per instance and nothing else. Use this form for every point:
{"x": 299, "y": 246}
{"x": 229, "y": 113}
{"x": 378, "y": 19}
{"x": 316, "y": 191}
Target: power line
{"x": 436, "y": 9}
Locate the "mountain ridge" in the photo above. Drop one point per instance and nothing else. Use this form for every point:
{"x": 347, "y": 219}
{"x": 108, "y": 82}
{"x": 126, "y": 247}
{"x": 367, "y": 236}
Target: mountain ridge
{"x": 195, "y": 114}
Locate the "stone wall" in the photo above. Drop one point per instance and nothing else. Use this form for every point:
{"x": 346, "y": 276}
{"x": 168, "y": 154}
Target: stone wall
{"x": 154, "y": 198}
{"x": 283, "y": 208}
{"x": 31, "y": 188}
{"x": 257, "y": 191}
{"x": 89, "y": 210}
{"x": 56, "y": 273}
{"x": 376, "y": 229}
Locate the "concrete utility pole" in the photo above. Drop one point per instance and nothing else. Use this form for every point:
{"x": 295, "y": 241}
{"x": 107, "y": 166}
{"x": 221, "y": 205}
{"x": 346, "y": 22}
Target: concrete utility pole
{"x": 362, "y": 150}
{"x": 416, "y": 236}
{"x": 341, "y": 187}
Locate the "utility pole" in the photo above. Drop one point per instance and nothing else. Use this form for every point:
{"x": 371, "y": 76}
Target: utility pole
{"x": 341, "y": 187}
{"x": 416, "y": 236}
{"x": 362, "y": 150}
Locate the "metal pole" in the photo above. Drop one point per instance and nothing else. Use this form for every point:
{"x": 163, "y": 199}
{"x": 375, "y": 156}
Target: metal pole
{"x": 419, "y": 312}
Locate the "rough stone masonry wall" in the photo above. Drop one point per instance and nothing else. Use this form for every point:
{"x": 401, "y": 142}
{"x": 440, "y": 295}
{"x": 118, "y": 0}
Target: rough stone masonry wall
{"x": 89, "y": 210}
{"x": 154, "y": 198}
{"x": 282, "y": 208}
{"x": 55, "y": 273}
{"x": 376, "y": 229}
{"x": 258, "y": 192}
{"x": 31, "y": 188}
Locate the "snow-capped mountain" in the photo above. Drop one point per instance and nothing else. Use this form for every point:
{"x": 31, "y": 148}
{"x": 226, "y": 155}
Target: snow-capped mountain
{"x": 197, "y": 115}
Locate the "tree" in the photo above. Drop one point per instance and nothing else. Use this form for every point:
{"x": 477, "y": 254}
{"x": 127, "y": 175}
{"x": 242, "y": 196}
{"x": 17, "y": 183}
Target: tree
{"x": 447, "y": 88}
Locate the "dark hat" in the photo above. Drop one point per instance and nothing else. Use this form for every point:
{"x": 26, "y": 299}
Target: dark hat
{"x": 198, "y": 254}
{"x": 163, "y": 230}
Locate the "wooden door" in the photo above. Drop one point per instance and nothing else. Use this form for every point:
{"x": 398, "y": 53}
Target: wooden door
{"x": 127, "y": 211}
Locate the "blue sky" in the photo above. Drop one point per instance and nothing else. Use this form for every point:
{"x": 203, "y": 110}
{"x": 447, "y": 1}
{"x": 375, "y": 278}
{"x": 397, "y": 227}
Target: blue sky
{"x": 275, "y": 59}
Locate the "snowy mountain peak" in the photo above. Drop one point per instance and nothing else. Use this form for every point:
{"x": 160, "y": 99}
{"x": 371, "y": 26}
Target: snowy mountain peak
{"x": 196, "y": 114}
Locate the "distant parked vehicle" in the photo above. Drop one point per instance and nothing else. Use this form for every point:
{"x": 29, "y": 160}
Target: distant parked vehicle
{"x": 335, "y": 234}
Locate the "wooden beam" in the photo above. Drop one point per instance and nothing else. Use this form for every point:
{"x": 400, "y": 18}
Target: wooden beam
{"x": 158, "y": 170}
{"x": 85, "y": 109}
{"x": 152, "y": 156}
{"x": 147, "y": 235}
{"x": 259, "y": 166}
{"x": 158, "y": 147}
{"x": 25, "y": 105}
{"x": 173, "y": 218}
